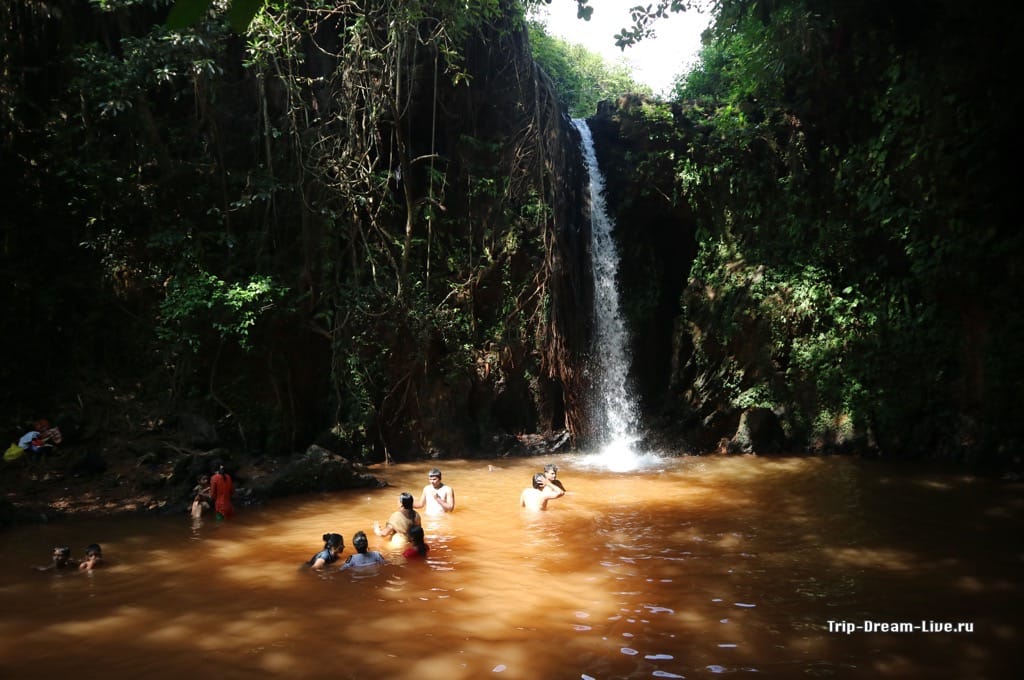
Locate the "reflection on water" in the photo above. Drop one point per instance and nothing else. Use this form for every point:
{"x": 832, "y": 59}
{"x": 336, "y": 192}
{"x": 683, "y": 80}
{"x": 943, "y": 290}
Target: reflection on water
{"x": 690, "y": 567}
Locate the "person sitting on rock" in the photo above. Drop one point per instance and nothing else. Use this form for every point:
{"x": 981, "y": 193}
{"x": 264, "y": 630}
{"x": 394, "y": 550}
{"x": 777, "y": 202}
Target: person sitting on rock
{"x": 41, "y": 438}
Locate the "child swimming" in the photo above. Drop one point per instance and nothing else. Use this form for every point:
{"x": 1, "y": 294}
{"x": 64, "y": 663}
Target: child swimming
{"x": 93, "y": 558}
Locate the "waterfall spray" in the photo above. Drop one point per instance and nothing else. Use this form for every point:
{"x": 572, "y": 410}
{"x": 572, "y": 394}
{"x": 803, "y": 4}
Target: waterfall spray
{"x": 613, "y": 401}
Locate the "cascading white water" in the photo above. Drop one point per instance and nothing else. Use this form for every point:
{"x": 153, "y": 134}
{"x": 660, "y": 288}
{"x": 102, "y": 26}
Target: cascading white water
{"x": 612, "y": 394}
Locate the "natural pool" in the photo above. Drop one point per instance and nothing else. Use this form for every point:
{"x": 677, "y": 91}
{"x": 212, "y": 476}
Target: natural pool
{"x": 689, "y": 567}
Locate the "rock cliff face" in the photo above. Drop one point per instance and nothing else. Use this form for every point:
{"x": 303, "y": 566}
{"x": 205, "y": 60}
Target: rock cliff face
{"x": 506, "y": 127}
{"x": 655, "y": 233}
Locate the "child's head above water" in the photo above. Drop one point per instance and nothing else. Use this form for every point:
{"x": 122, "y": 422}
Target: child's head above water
{"x": 360, "y": 542}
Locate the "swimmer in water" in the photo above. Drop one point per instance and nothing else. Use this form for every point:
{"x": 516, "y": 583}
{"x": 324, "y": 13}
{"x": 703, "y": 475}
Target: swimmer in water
{"x": 333, "y": 545}
{"x": 93, "y": 558}
{"x": 363, "y": 557}
{"x": 536, "y": 498}
{"x": 61, "y": 559}
{"x": 551, "y": 475}
{"x": 419, "y": 548}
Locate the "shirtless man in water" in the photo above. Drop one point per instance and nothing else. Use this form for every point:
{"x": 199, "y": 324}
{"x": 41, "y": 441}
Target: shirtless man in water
{"x": 437, "y": 497}
{"x": 537, "y": 497}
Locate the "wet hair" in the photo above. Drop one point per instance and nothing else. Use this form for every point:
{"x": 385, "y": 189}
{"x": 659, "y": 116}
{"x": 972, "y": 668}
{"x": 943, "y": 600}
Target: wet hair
{"x": 406, "y": 500}
{"x": 333, "y": 541}
{"x": 62, "y": 551}
{"x": 538, "y": 480}
{"x": 550, "y": 466}
{"x": 360, "y": 542}
{"x": 93, "y": 549}
{"x": 434, "y": 473}
{"x": 417, "y": 537}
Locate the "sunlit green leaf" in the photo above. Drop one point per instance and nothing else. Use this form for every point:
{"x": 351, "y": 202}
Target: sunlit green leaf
{"x": 241, "y": 13}
{"x": 186, "y": 13}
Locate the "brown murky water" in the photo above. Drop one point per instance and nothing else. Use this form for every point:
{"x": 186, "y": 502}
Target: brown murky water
{"x": 687, "y": 568}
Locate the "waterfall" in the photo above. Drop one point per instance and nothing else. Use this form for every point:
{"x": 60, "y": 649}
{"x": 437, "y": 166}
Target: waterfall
{"x": 612, "y": 399}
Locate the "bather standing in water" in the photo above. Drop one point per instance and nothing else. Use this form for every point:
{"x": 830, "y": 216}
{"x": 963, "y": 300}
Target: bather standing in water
{"x": 221, "y": 489}
{"x": 551, "y": 476}
{"x": 401, "y": 520}
{"x": 536, "y": 498}
{"x": 437, "y": 497}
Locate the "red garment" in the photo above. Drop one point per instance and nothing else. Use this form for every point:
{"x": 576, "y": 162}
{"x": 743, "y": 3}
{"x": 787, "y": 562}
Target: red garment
{"x": 413, "y": 553}
{"x": 221, "y": 488}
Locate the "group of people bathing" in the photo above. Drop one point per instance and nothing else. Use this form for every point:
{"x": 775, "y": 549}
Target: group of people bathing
{"x": 404, "y": 526}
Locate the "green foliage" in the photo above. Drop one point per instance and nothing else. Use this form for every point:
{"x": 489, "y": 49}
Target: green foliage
{"x": 201, "y": 300}
{"x": 582, "y": 78}
{"x": 841, "y": 154}
{"x": 240, "y": 13}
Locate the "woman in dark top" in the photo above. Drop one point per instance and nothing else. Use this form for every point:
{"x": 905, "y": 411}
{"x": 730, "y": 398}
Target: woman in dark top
{"x": 333, "y": 545}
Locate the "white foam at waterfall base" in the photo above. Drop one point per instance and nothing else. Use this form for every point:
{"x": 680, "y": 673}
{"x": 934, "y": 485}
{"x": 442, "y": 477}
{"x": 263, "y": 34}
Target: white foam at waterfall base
{"x": 616, "y": 405}
{"x": 621, "y": 455}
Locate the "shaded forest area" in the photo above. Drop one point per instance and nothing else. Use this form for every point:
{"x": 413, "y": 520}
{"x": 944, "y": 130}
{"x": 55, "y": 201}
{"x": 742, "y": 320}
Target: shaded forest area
{"x": 360, "y": 224}
{"x": 337, "y": 228}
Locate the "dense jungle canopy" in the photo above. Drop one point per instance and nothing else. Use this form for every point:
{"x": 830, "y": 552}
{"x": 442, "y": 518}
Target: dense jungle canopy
{"x": 361, "y": 222}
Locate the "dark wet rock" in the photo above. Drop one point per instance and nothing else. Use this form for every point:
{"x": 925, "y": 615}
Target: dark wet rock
{"x": 759, "y": 431}
{"x": 197, "y": 430}
{"x": 531, "y": 444}
{"x": 316, "y": 470}
{"x": 86, "y": 463}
